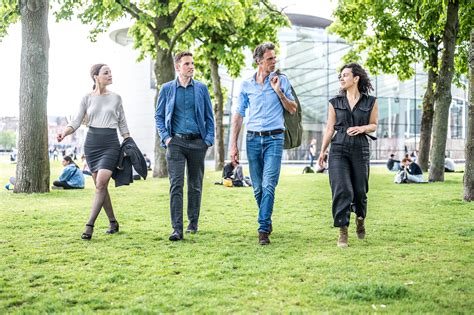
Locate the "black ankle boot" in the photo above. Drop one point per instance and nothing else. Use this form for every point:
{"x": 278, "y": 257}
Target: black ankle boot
{"x": 113, "y": 227}
{"x": 88, "y": 236}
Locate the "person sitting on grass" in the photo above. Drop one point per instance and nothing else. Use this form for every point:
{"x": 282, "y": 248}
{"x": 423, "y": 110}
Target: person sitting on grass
{"x": 71, "y": 177}
{"x": 233, "y": 173}
{"x": 393, "y": 164}
{"x": 449, "y": 165}
{"x": 148, "y": 162}
{"x": 411, "y": 173}
{"x": 11, "y": 183}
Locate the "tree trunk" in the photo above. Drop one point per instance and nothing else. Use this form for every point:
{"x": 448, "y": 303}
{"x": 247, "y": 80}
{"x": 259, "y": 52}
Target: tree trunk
{"x": 32, "y": 170}
{"x": 428, "y": 105}
{"x": 443, "y": 95}
{"x": 219, "y": 154}
{"x": 469, "y": 168}
{"x": 164, "y": 72}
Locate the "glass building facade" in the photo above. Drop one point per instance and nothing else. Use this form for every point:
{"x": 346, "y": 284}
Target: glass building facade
{"x": 311, "y": 57}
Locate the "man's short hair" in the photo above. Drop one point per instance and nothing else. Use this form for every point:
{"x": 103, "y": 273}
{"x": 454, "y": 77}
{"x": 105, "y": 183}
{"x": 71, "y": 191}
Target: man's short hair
{"x": 260, "y": 50}
{"x": 178, "y": 56}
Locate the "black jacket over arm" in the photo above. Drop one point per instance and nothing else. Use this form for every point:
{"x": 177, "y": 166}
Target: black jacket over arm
{"x": 130, "y": 155}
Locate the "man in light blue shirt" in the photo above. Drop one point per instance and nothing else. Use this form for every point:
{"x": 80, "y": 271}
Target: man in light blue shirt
{"x": 265, "y": 95}
{"x": 185, "y": 121}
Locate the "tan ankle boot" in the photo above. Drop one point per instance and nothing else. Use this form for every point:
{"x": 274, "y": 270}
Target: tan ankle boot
{"x": 360, "y": 228}
{"x": 343, "y": 237}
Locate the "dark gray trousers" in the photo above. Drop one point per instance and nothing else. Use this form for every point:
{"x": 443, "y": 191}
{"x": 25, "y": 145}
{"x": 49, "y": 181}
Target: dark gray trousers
{"x": 349, "y": 179}
{"x": 187, "y": 154}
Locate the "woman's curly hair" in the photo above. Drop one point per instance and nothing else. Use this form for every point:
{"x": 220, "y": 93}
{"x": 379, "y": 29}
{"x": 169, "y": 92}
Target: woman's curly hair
{"x": 364, "y": 85}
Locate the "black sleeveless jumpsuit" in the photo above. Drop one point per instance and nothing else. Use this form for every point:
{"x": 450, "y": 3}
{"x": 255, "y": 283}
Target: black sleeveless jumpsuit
{"x": 349, "y": 159}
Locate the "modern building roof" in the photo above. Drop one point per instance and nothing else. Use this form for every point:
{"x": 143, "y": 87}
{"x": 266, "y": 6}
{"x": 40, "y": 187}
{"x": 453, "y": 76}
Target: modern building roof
{"x": 308, "y": 20}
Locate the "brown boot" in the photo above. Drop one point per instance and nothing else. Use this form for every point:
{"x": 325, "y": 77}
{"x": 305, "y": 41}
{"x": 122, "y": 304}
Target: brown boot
{"x": 263, "y": 238}
{"x": 360, "y": 228}
{"x": 343, "y": 237}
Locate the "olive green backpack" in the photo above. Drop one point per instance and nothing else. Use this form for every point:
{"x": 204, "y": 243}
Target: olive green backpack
{"x": 293, "y": 125}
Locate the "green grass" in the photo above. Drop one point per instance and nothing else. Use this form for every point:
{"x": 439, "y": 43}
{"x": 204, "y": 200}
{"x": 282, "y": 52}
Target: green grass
{"x": 417, "y": 257}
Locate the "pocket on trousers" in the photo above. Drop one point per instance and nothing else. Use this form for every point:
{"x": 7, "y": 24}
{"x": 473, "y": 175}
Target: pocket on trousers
{"x": 171, "y": 141}
{"x": 170, "y": 150}
{"x": 280, "y": 136}
{"x": 336, "y": 149}
{"x": 365, "y": 153}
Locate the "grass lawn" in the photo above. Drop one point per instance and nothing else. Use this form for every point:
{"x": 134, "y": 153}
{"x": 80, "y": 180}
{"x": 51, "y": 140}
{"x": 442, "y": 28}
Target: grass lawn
{"x": 418, "y": 255}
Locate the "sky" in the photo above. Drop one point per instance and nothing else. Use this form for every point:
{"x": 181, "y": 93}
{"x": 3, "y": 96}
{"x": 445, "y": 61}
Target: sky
{"x": 71, "y": 54}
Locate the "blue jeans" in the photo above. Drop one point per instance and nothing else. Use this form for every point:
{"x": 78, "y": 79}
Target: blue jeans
{"x": 264, "y": 156}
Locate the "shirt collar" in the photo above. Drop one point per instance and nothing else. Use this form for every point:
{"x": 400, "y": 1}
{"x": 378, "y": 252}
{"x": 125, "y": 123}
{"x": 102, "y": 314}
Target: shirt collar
{"x": 254, "y": 77}
{"x": 178, "y": 84}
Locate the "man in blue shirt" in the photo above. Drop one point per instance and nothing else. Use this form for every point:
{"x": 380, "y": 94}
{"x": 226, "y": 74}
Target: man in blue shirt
{"x": 185, "y": 122}
{"x": 265, "y": 95}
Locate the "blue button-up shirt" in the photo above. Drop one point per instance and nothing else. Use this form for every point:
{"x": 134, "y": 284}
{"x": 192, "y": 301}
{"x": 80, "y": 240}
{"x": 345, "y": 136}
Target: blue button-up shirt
{"x": 184, "y": 116}
{"x": 264, "y": 105}
{"x": 203, "y": 107}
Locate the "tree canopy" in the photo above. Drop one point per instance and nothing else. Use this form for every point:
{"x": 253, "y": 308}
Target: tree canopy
{"x": 10, "y": 14}
{"x": 159, "y": 27}
{"x": 390, "y": 36}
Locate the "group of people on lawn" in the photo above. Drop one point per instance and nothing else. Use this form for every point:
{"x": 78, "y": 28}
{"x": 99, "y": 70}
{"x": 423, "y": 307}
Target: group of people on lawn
{"x": 185, "y": 122}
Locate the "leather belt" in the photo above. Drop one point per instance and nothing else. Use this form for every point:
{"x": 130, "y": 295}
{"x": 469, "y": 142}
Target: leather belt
{"x": 266, "y": 133}
{"x": 343, "y": 129}
{"x": 188, "y": 136}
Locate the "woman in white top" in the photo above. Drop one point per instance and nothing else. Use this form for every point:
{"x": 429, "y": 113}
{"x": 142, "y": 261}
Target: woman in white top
{"x": 102, "y": 112}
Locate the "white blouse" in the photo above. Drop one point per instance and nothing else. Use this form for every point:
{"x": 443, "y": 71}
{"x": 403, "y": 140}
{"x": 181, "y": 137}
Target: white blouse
{"x": 101, "y": 111}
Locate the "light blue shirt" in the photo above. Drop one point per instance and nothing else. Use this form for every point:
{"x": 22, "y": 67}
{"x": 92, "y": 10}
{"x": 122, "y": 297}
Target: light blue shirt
{"x": 264, "y": 105}
{"x": 184, "y": 116}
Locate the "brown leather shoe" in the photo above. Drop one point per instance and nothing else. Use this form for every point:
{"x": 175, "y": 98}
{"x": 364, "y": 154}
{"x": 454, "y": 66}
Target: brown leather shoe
{"x": 270, "y": 229}
{"x": 360, "y": 228}
{"x": 263, "y": 238}
{"x": 342, "y": 242}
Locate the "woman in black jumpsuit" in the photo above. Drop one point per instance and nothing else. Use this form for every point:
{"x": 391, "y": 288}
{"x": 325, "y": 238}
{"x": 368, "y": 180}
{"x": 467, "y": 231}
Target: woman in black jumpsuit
{"x": 351, "y": 116}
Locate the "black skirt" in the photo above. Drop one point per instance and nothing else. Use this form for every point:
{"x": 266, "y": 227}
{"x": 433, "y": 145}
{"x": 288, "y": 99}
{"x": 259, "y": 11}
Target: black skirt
{"x": 102, "y": 149}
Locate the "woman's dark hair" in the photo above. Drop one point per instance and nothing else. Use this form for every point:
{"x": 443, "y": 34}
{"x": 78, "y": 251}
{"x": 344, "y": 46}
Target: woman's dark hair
{"x": 68, "y": 159}
{"x": 363, "y": 84}
{"x": 95, "y": 69}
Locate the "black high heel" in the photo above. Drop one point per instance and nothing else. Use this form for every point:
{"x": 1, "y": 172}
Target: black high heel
{"x": 87, "y": 236}
{"x": 113, "y": 230}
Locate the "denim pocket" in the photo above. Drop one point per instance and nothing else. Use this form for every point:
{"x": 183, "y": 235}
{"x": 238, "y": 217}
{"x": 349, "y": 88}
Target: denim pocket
{"x": 280, "y": 136}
